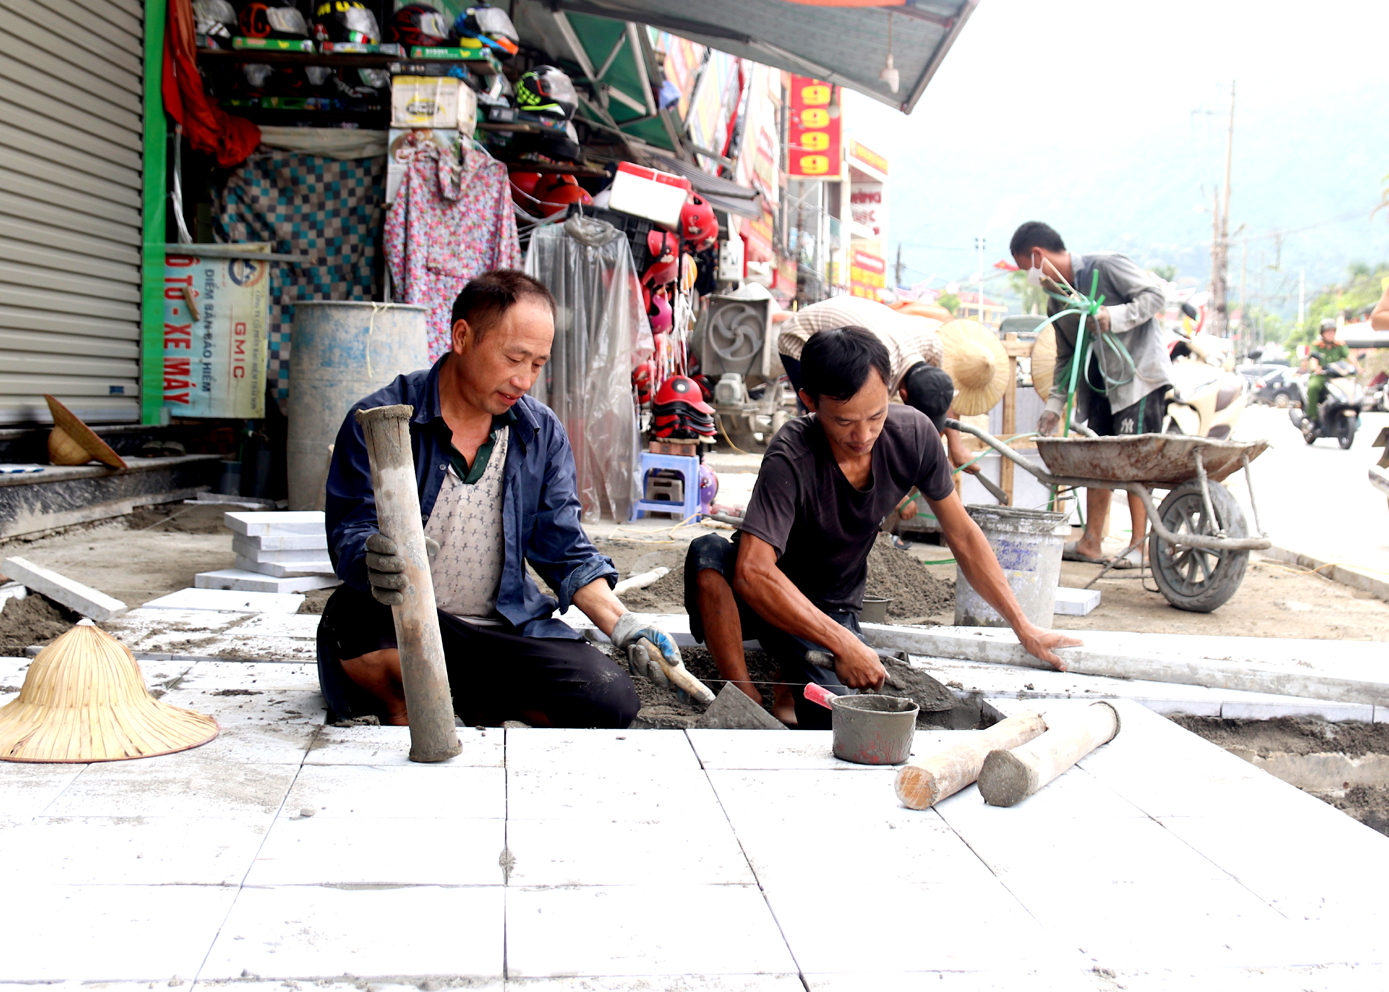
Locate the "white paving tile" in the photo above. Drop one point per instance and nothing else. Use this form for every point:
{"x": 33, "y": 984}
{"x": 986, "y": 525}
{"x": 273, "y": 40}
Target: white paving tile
{"x": 138, "y": 850}
{"x": 1318, "y": 978}
{"x": 304, "y": 932}
{"x": 436, "y": 983}
{"x": 589, "y": 852}
{"x": 784, "y": 749}
{"x": 262, "y": 675}
{"x": 227, "y": 601}
{"x": 262, "y": 744}
{"x": 1060, "y": 979}
{"x": 251, "y": 707}
{"x": 401, "y": 791}
{"x": 387, "y": 746}
{"x": 1185, "y": 923}
{"x": 28, "y": 789}
{"x": 535, "y": 749}
{"x": 1074, "y": 795}
{"x": 859, "y": 920}
{"x": 663, "y": 983}
{"x": 323, "y": 850}
{"x": 112, "y": 932}
{"x": 579, "y": 793}
{"x": 642, "y": 930}
{"x": 919, "y": 846}
{"x": 191, "y": 788}
{"x": 827, "y": 798}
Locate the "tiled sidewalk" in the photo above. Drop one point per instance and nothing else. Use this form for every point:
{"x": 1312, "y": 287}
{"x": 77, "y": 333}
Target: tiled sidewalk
{"x": 285, "y": 852}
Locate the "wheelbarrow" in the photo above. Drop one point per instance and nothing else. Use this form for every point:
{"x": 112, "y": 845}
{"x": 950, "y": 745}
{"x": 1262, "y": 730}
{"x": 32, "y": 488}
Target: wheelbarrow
{"x": 1199, "y": 546}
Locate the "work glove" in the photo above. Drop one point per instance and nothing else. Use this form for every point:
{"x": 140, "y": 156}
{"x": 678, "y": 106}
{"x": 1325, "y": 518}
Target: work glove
{"x": 1047, "y": 424}
{"x": 386, "y": 568}
{"x": 657, "y": 648}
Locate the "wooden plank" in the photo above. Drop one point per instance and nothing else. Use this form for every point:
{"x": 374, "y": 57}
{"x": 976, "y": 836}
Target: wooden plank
{"x": 1010, "y": 414}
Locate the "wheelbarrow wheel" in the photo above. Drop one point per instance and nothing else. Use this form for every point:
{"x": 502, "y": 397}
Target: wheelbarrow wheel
{"x": 1198, "y": 579}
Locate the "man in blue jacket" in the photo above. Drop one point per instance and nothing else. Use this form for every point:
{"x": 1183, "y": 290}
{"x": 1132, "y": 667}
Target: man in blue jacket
{"x": 497, "y": 492}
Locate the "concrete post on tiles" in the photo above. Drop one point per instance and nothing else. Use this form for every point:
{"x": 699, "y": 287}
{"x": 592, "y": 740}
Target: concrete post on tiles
{"x": 926, "y": 782}
{"x": 1009, "y": 777}
{"x": 425, "y": 679}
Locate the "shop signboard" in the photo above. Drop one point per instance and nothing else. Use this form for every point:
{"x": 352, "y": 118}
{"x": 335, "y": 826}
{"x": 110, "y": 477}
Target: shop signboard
{"x": 814, "y": 139}
{"x": 216, "y": 323}
{"x": 759, "y": 232}
{"x": 867, "y": 274}
{"x": 861, "y": 154}
{"x": 757, "y": 160}
{"x": 868, "y": 195}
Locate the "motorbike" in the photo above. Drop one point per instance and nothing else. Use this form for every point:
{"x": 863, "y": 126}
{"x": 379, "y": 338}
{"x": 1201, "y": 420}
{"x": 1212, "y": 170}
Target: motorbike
{"x": 1206, "y": 400}
{"x": 1339, "y": 413}
{"x": 1377, "y": 394}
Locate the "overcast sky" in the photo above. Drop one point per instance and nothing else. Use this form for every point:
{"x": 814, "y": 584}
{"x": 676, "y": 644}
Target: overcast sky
{"x": 1106, "y": 119}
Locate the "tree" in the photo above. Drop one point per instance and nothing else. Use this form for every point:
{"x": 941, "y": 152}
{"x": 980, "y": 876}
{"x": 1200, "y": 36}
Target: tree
{"x": 950, "y": 301}
{"x": 1360, "y": 291}
{"x": 1034, "y": 300}
{"x": 1167, "y": 273}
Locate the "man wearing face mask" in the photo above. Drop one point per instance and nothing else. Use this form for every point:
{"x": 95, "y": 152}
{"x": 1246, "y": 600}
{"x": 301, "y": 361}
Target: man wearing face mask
{"x": 1125, "y": 372}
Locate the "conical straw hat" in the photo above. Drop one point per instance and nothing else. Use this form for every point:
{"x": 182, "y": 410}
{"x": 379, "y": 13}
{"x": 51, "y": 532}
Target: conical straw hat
{"x": 84, "y": 699}
{"x": 72, "y": 442}
{"x": 1044, "y": 361}
{"x": 977, "y": 363}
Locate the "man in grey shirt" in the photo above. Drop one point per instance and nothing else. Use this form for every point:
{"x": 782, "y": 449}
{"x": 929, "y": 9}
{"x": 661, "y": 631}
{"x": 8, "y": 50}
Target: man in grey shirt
{"x": 1124, "y": 371}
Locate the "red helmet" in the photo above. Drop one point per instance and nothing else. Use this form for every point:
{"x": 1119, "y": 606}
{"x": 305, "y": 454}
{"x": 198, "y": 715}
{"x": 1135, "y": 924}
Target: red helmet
{"x": 661, "y": 243}
{"x": 523, "y": 190}
{"x": 417, "y": 24}
{"x": 661, "y": 273}
{"x": 697, "y": 222}
{"x": 681, "y": 389}
{"x": 556, "y": 192}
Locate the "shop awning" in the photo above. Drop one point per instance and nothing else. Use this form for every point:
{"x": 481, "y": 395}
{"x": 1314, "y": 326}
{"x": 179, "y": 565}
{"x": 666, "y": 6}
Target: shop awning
{"x": 724, "y": 194}
{"x": 844, "y": 45}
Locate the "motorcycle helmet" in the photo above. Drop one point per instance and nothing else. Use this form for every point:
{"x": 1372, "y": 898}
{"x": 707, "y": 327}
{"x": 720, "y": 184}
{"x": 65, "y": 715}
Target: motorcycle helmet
{"x": 523, "y": 190}
{"x": 417, "y": 24}
{"x": 557, "y": 192}
{"x": 345, "y": 21}
{"x": 697, "y": 222}
{"x": 491, "y": 26}
{"x": 548, "y": 91}
{"x": 662, "y": 244}
{"x": 1327, "y": 324}
{"x": 708, "y": 488}
{"x": 682, "y": 390}
{"x": 215, "y": 21}
{"x": 272, "y": 19}
{"x": 660, "y": 313}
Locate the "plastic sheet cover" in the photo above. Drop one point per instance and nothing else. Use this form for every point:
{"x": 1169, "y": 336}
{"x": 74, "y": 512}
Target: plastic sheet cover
{"x": 601, "y": 333}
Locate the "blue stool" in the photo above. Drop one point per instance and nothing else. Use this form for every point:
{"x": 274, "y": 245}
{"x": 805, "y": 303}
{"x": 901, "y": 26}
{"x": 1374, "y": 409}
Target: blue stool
{"x": 688, "y": 467}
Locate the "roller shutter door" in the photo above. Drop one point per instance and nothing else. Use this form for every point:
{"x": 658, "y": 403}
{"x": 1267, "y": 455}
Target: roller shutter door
{"x": 71, "y": 99}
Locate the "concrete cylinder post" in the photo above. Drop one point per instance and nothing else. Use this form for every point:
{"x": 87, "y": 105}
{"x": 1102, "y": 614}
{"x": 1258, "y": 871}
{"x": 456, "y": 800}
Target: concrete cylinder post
{"x": 1009, "y": 777}
{"x": 938, "y": 776}
{"x": 425, "y": 678}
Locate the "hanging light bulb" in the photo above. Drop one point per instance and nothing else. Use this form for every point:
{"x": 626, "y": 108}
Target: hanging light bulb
{"x": 889, "y": 74}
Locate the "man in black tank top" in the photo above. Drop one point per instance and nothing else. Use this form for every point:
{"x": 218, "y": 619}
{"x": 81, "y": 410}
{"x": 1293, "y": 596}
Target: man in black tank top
{"x": 794, "y": 575}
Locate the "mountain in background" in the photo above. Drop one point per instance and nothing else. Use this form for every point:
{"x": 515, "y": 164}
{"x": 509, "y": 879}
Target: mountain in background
{"x": 1121, "y": 147}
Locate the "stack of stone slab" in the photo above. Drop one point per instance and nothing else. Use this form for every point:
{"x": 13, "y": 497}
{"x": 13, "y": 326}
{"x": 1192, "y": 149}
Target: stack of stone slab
{"x": 275, "y": 552}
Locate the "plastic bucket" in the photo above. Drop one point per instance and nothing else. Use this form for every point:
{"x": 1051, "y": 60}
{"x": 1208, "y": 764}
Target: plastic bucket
{"x": 873, "y": 730}
{"x": 874, "y": 609}
{"x": 340, "y": 352}
{"x": 1028, "y": 544}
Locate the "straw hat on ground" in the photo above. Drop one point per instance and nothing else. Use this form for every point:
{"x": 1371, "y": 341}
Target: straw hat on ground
{"x": 1044, "y": 361}
{"x": 72, "y": 442}
{"x": 977, "y": 363}
{"x": 84, "y": 699}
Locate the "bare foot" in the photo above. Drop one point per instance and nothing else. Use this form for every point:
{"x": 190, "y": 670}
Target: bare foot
{"x": 784, "y": 705}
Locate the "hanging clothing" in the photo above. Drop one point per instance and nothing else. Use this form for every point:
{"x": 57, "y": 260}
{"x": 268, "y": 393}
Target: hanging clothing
{"x": 326, "y": 209}
{"x": 450, "y": 221}
{"x": 210, "y": 129}
{"x": 601, "y": 334}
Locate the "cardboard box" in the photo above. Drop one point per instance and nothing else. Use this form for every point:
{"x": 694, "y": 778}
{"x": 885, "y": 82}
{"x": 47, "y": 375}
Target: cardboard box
{"x": 468, "y": 48}
{"x": 425, "y": 101}
{"x": 273, "y": 44}
{"x": 361, "y": 48}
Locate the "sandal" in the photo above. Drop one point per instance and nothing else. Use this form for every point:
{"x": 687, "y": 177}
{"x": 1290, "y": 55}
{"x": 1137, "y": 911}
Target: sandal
{"x": 1069, "y": 553}
{"x": 1133, "y": 559}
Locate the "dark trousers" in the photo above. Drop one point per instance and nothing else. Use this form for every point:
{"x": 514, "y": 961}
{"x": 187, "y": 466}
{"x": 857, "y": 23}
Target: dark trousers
{"x": 495, "y": 673}
{"x": 715, "y": 552}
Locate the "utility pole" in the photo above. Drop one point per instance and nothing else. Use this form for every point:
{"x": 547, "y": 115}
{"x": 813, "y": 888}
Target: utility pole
{"x": 979, "y": 247}
{"x": 1221, "y": 237}
{"x": 1244, "y": 300}
{"x": 898, "y": 266}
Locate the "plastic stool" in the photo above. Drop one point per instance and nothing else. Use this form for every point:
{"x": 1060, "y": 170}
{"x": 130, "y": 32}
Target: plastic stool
{"x": 688, "y": 467}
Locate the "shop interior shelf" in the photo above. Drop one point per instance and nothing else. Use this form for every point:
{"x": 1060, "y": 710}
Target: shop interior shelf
{"x": 482, "y": 66}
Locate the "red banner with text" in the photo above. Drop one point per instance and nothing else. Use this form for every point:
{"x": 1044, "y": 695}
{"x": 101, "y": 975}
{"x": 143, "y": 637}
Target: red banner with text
{"x": 814, "y": 141}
